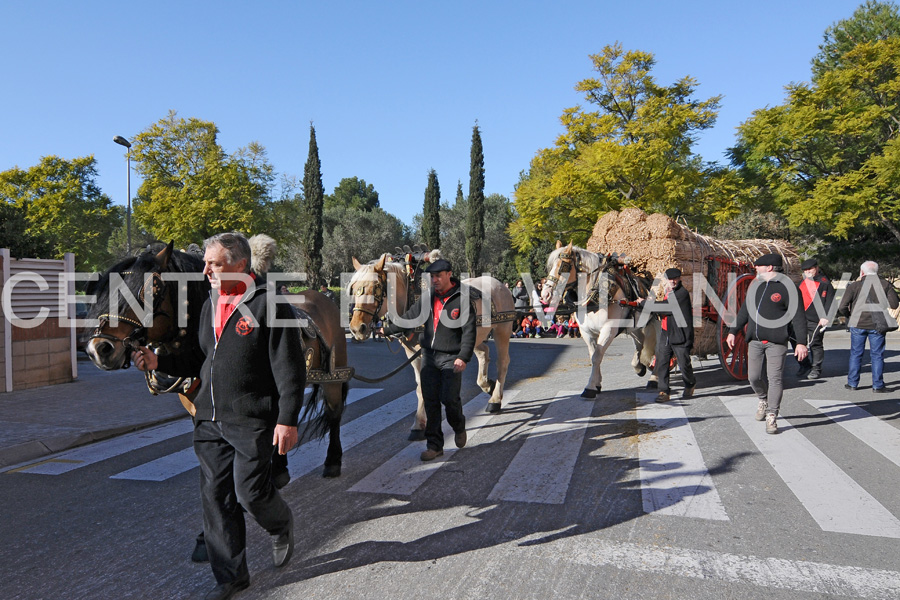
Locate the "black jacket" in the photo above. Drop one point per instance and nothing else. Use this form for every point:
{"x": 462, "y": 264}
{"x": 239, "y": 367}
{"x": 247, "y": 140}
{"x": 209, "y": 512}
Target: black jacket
{"x": 853, "y": 297}
{"x": 255, "y": 374}
{"x": 771, "y": 300}
{"x": 675, "y": 334}
{"x": 824, "y": 290}
{"x": 458, "y": 339}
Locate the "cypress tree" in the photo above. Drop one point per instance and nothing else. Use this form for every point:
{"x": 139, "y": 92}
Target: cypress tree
{"x": 475, "y": 217}
{"x": 431, "y": 214}
{"x": 314, "y": 201}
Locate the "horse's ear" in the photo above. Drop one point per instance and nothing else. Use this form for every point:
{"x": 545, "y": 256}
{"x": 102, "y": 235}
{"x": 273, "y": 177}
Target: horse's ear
{"x": 356, "y": 264}
{"x": 379, "y": 266}
{"x": 569, "y": 247}
{"x": 165, "y": 254}
{"x": 559, "y": 244}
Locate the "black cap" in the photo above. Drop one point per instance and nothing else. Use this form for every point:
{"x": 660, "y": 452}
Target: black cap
{"x": 673, "y": 273}
{"x": 438, "y": 266}
{"x": 769, "y": 260}
{"x": 809, "y": 263}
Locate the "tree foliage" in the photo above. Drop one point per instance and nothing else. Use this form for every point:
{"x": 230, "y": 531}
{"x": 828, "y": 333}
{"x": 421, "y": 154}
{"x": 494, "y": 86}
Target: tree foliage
{"x": 16, "y": 236}
{"x": 312, "y": 208}
{"x": 353, "y": 192}
{"x": 475, "y": 217}
{"x": 830, "y": 154}
{"x": 192, "y": 189}
{"x": 62, "y": 206}
{"x": 431, "y": 212}
{"x": 630, "y": 146}
{"x": 870, "y": 22}
{"x": 365, "y": 234}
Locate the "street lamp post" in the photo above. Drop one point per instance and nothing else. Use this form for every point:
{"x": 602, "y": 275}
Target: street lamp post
{"x": 123, "y": 142}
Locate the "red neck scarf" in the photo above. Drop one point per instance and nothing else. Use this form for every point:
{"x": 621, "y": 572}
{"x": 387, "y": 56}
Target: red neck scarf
{"x": 227, "y": 302}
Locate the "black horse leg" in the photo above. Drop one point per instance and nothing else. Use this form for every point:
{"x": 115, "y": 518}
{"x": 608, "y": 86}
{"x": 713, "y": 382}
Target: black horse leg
{"x": 335, "y": 451}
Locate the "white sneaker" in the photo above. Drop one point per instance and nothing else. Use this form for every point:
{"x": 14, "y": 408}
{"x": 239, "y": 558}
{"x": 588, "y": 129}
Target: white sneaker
{"x": 761, "y": 410}
{"x": 771, "y": 424}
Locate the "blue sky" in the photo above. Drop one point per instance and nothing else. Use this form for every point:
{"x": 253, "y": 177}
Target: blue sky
{"x": 393, "y": 88}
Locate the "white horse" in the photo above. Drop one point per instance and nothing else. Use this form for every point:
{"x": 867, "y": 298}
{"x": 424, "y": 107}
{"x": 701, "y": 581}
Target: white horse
{"x": 384, "y": 284}
{"x": 612, "y": 285}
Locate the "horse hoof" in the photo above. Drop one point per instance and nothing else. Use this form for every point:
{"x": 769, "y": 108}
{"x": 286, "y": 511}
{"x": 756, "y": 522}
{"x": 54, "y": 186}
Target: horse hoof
{"x": 492, "y": 407}
{"x": 641, "y": 371}
{"x": 589, "y": 394}
{"x": 331, "y": 471}
{"x": 651, "y": 385}
{"x": 416, "y": 435}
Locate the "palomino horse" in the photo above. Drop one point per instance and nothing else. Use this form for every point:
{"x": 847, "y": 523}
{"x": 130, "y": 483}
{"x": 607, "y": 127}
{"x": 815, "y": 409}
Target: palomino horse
{"x": 120, "y": 331}
{"x": 382, "y": 284}
{"x": 612, "y": 286}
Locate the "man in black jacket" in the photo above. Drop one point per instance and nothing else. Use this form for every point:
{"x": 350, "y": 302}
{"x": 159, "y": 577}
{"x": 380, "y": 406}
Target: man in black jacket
{"x": 676, "y": 337}
{"x": 447, "y": 346}
{"x": 815, "y": 287}
{"x": 771, "y": 306}
{"x": 253, "y": 378}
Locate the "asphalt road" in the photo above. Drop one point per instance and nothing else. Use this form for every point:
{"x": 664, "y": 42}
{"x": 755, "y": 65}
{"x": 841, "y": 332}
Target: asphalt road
{"x": 557, "y": 497}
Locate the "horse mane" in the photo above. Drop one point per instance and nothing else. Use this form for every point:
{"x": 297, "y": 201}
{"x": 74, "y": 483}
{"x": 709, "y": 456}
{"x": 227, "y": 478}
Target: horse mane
{"x": 389, "y": 267}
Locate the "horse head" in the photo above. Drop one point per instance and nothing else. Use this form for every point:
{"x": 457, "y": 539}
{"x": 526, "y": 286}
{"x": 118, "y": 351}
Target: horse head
{"x": 136, "y": 306}
{"x": 368, "y": 288}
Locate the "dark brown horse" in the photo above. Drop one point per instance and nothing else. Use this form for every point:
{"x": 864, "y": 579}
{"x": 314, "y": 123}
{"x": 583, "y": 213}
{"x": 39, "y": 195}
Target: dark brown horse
{"x": 138, "y": 302}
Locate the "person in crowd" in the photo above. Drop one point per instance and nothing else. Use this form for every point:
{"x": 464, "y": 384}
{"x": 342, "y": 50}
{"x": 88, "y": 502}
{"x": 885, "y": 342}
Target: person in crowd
{"x": 531, "y": 327}
{"x": 864, "y": 302}
{"x": 328, "y": 293}
{"x": 676, "y": 337}
{"x": 767, "y": 313}
{"x": 561, "y": 327}
{"x": 815, "y": 285}
{"x": 448, "y": 343}
{"x": 253, "y": 412}
{"x": 574, "y": 328}
{"x": 522, "y": 303}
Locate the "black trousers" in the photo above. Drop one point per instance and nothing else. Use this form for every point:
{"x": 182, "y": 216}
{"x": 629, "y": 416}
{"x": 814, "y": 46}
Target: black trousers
{"x": 235, "y": 471}
{"x": 664, "y": 352}
{"x": 816, "y": 347}
{"x": 440, "y": 386}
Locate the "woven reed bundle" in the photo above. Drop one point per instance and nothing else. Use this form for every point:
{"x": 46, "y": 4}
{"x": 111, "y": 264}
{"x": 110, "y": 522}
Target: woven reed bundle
{"x": 657, "y": 242}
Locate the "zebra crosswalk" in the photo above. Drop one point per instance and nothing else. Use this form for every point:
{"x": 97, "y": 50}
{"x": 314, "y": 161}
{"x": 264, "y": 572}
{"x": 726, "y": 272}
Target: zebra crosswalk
{"x": 675, "y": 480}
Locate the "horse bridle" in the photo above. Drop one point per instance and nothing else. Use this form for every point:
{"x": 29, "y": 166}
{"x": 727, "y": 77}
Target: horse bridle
{"x": 138, "y": 335}
{"x": 378, "y": 294}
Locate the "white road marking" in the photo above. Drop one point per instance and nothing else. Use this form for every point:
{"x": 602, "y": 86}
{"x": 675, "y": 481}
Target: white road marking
{"x": 405, "y": 472}
{"x": 832, "y": 498}
{"x": 542, "y": 469}
{"x": 877, "y": 434}
{"x": 175, "y": 464}
{"x": 674, "y": 477}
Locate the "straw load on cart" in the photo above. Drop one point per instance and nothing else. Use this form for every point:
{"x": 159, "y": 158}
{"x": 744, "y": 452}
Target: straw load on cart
{"x": 657, "y": 242}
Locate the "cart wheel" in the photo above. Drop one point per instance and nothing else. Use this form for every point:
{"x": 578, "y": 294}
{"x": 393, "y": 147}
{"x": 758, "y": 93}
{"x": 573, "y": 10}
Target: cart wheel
{"x": 734, "y": 360}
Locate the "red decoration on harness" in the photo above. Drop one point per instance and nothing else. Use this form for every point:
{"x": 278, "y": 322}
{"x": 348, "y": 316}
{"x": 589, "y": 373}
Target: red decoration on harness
{"x": 776, "y": 297}
{"x": 454, "y": 314}
{"x": 244, "y": 326}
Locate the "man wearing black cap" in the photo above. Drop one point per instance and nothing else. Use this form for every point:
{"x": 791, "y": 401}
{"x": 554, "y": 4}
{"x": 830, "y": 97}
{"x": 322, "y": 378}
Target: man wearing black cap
{"x": 447, "y": 346}
{"x": 676, "y": 337}
{"x": 770, "y": 307}
{"x": 815, "y": 286}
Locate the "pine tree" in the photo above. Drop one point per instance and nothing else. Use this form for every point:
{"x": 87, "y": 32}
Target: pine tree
{"x": 431, "y": 217}
{"x": 313, "y": 203}
{"x": 475, "y": 218}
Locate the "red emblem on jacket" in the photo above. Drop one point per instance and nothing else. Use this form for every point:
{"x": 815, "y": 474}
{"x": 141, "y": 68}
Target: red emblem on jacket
{"x": 454, "y": 314}
{"x": 776, "y": 297}
{"x": 244, "y": 326}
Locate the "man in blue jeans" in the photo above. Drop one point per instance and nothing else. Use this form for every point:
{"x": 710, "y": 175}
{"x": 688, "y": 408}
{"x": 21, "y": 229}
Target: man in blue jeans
{"x": 864, "y": 302}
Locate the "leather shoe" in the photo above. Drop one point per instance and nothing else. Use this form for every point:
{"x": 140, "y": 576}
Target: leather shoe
{"x": 847, "y": 386}
{"x": 688, "y": 392}
{"x": 814, "y": 374}
{"x": 431, "y": 454}
{"x": 224, "y": 591}
{"x": 662, "y": 397}
{"x": 881, "y": 390}
{"x": 460, "y": 438}
{"x": 283, "y": 545}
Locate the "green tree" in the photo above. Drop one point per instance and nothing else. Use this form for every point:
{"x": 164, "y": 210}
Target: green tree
{"x": 191, "y": 189}
{"x": 63, "y": 206}
{"x": 475, "y": 218}
{"x": 431, "y": 213}
{"x": 830, "y": 155}
{"x": 630, "y": 147}
{"x": 15, "y": 234}
{"x": 870, "y": 22}
{"x": 365, "y": 234}
{"x": 354, "y": 193}
{"x": 312, "y": 207}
